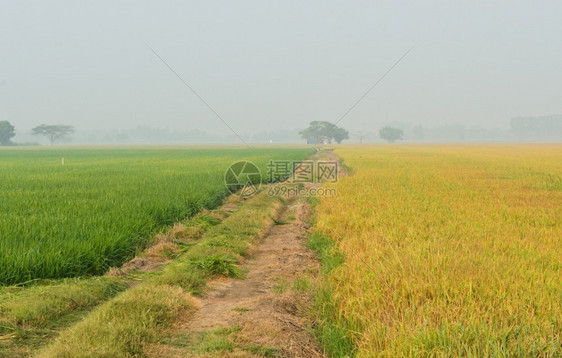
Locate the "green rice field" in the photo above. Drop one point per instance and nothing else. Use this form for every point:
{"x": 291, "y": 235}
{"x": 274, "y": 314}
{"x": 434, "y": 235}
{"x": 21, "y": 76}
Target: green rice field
{"x": 97, "y": 209}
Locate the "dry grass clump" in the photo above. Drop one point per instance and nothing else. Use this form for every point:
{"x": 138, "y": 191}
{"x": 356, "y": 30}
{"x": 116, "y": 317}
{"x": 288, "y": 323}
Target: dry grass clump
{"x": 125, "y": 326}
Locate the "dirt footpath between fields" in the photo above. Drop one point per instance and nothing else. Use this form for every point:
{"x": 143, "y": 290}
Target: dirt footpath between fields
{"x": 264, "y": 314}
{"x": 264, "y": 310}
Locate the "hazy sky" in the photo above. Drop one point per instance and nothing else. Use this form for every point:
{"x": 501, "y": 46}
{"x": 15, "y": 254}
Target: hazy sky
{"x": 268, "y": 65}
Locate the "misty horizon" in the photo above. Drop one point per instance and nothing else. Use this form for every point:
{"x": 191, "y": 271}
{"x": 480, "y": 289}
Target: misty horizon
{"x": 274, "y": 67}
{"x": 413, "y": 133}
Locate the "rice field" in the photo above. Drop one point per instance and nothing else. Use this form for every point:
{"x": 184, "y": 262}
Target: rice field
{"x": 102, "y": 205}
{"x": 447, "y": 251}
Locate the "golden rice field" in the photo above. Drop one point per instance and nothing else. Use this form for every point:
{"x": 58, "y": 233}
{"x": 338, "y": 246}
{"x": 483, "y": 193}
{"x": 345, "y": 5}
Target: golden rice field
{"x": 448, "y": 250}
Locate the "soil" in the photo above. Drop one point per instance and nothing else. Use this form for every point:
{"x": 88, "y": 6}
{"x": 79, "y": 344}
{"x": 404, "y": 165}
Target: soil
{"x": 265, "y": 307}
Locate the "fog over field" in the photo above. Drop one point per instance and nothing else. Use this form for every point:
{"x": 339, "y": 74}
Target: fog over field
{"x": 269, "y": 68}
{"x": 280, "y": 178}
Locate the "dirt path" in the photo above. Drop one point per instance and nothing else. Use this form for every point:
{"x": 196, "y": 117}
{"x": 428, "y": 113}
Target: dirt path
{"x": 260, "y": 315}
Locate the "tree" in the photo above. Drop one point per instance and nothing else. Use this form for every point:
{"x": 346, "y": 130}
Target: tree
{"x": 391, "y": 134}
{"x": 53, "y": 132}
{"x": 6, "y": 133}
{"x": 340, "y": 134}
{"x": 323, "y": 132}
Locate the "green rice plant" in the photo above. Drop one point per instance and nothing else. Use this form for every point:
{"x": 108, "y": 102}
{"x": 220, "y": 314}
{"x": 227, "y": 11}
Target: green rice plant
{"x": 219, "y": 266}
{"x": 103, "y": 205}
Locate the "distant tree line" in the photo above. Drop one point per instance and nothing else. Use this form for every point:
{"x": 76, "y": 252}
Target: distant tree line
{"x": 52, "y": 132}
{"x": 545, "y": 128}
{"x": 455, "y": 132}
{"x": 548, "y": 127}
